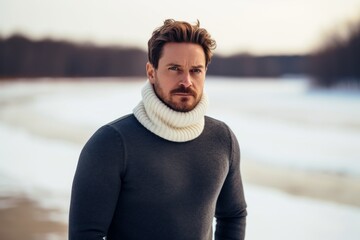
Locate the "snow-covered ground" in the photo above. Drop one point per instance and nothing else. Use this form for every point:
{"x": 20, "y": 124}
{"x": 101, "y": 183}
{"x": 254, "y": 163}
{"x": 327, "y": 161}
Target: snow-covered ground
{"x": 280, "y": 122}
{"x": 284, "y": 122}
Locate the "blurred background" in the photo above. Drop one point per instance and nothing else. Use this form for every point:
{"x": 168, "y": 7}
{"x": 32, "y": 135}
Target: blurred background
{"x": 285, "y": 77}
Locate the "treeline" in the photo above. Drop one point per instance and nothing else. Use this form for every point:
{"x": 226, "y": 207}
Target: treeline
{"x": 338, "y": 60}
{"x": 22, "y": 57}
{"x": 261, "y": 66}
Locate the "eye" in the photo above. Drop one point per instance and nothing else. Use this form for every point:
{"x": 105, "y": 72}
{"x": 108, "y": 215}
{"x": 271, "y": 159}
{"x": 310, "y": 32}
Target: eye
{"x": 196, "y": 70}
{"x": 174, "y": 68}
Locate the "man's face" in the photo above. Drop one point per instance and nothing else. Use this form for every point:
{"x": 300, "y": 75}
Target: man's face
{"x": 179, "y": 79}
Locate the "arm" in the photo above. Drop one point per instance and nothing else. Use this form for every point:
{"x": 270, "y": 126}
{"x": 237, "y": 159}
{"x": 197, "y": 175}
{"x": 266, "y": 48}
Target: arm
{"x": 231, "y": 206}
{"x": 96, "y": 185}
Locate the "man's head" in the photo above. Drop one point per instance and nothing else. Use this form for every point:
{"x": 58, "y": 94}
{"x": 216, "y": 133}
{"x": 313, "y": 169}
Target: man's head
{"x": 179, "y": 54}
{"x": 177, "y": 31}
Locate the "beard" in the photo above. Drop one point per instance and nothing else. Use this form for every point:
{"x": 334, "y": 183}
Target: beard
{"x": 178, "y": 103}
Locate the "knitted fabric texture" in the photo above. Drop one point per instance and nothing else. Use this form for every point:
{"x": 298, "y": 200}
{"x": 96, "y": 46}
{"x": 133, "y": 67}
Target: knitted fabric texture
{"x": 167, "y": 123}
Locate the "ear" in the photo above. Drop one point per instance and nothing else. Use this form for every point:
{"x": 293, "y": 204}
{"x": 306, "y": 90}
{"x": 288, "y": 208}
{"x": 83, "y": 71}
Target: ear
{"x": 150, "y": 72}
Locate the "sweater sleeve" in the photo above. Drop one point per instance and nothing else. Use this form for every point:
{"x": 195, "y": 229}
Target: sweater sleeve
{"x": 96, "y": 185}
{"x": 231, "y": 206}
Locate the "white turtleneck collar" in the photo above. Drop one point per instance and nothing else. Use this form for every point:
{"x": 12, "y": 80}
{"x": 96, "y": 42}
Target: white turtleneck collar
{"x": 163, "y": 121}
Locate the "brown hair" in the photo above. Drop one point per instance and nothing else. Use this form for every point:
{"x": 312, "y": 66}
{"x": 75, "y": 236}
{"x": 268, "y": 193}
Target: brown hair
{"x": 176, "y": 31}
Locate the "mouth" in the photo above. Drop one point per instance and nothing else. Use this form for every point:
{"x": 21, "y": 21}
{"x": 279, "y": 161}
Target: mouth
{"x": 183, "y": 92}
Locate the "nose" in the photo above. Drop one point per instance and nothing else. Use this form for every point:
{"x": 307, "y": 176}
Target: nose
{"x": 186, "y": 80}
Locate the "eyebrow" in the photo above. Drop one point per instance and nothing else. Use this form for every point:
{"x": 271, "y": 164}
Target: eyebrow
{"x": 198, "y": 66}
{"x": 178, "y": 65}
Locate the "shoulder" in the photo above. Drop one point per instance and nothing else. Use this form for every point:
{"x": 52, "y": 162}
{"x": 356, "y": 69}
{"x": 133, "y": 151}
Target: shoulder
{"x": 224, "y": 135}
{"x": 213, "y": 121}
{"x": 110, "y": 133}
{"x": 123, "y": 124}
{"x": 221, "y": 131}
{"x": 216, "y": 125}
{"x": 104, "y": 148}
{"x": 123, "y": 121}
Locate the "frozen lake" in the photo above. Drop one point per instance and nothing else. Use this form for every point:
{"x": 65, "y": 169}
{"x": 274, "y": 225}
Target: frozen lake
{"x": 279, "y": 122}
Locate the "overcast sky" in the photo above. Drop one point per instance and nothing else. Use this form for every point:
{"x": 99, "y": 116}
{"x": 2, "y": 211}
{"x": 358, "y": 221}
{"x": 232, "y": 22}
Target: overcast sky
{"x": 254, "y": 26}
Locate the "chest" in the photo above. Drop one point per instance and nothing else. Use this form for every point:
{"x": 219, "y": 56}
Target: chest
{"x": 166, "y": 171}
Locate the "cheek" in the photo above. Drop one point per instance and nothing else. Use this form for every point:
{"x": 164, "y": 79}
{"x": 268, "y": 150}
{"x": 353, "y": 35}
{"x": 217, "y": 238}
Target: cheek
{"x": 199, "y": 85}
{"x": 164, "y": 85}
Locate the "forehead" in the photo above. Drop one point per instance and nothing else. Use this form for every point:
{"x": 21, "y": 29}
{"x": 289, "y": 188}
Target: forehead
{"x": 182, "y": 54}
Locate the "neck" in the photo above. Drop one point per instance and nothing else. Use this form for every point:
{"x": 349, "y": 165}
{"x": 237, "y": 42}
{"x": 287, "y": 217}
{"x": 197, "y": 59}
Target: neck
{"x": 167, "y": 123}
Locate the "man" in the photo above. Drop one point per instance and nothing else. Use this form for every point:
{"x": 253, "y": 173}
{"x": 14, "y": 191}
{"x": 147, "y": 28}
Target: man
{"x": 165, "y": 171}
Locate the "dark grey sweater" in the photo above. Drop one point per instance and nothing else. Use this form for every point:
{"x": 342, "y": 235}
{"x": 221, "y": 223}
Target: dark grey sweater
{"x": 131, "y": 184}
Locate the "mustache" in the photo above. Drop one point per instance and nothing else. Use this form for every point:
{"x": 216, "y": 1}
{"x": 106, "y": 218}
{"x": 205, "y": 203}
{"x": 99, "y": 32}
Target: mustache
{"x": 183, "y": 89}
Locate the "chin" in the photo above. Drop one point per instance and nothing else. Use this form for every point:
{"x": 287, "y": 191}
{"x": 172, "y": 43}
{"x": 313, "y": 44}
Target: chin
{"x": 183, "y": 107}
{"x": 182, "y": 104}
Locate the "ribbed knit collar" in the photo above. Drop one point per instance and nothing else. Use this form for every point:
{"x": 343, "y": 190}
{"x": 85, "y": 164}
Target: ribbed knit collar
{"x": 163, "y": 121}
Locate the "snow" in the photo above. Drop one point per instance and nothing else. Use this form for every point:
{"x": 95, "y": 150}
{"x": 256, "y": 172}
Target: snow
{"x": 275, "y": 215}
{"x": 293, "y": 125}
{"x": 38, "y": 167}
{"x": 279, "y": 122}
